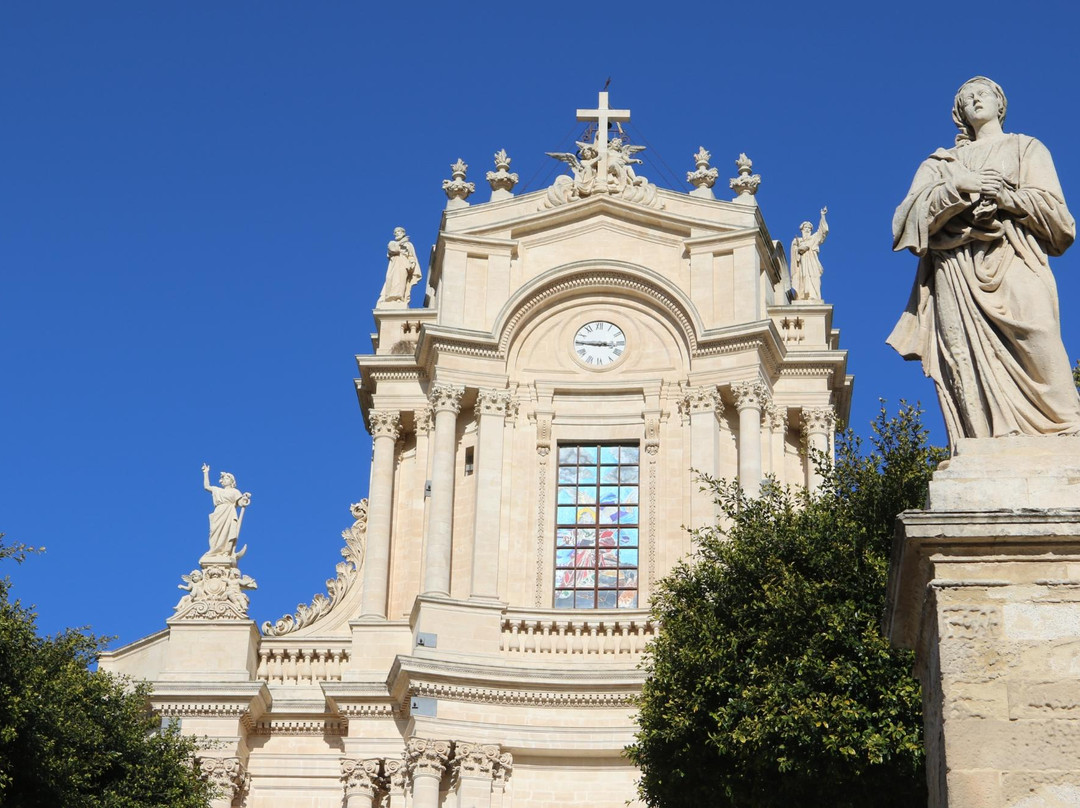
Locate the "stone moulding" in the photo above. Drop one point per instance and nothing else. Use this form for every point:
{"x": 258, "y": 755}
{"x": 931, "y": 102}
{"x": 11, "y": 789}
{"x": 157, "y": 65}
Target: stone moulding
{"x": 348, "y": 577}
{"x": 530, "y": 698}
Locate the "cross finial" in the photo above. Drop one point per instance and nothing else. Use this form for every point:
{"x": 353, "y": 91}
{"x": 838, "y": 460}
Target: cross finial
{"x": 604, "y": 117}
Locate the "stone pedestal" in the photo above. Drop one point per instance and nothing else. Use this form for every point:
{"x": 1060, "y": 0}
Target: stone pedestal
{"x": 985, "y": 586}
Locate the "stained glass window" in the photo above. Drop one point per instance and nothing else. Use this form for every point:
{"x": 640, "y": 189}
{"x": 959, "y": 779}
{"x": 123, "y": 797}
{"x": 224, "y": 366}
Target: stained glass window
{"x": 596, "y": 527}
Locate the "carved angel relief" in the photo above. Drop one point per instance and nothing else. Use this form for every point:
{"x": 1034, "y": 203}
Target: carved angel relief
{"x": 348, "y": 576}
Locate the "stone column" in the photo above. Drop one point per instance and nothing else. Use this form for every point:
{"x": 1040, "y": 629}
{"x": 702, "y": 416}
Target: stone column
{"x": 750, "y": 397}
{"x": 491, "y": 409}
{"x": 777, "y": 418}
{"x": 385, "y": 428}
{"x": 446, "y": 403}
{"x": 228, "y": 777}
{"x": 702, "y": 406}
{"x": 426, "y": 760}
{"x": 474, "y": 768}
{"x": 361, "y": 780}
{"x": 818, "y": 425}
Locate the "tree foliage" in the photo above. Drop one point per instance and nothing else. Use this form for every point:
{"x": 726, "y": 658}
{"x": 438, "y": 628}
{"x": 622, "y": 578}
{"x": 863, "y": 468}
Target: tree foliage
{"x": 73, "y": 737}
{"x": 770, "y": 682}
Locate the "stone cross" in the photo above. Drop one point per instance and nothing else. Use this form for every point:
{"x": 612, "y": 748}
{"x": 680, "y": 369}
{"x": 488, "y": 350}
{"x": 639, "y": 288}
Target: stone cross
{"x": 604, "y": 117}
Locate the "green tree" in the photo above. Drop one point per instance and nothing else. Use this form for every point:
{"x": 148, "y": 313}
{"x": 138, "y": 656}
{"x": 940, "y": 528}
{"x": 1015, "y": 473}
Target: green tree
{"x": 73, "y": 737}
{"x": 770, "y": 683}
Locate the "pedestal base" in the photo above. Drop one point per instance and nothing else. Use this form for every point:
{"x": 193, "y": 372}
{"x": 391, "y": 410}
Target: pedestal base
{"x": 985, "y": 586}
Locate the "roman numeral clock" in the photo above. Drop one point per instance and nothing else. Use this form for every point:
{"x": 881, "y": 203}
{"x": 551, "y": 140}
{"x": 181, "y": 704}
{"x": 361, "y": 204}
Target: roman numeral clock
{"x": 599, "y": 343}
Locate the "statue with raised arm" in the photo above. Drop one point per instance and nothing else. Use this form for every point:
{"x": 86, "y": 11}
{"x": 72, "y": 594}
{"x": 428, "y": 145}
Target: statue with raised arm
{"x": 402, "y": 272}
{"x": 983, "y": 315}
{"x": 806, "y": 269}
{"x": 224, "y": 521}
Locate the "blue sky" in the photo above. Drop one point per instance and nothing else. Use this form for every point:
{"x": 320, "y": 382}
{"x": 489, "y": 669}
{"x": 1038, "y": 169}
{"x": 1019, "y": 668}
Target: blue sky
{"x": 195, "y": 200}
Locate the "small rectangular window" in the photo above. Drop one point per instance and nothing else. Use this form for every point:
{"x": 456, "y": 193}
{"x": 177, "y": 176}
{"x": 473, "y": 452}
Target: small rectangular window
{"x": 468, "y": 460}
{"x": 597, "y": 525}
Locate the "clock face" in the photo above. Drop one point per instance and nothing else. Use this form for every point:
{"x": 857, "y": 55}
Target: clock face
{"x": 599, "y": 343}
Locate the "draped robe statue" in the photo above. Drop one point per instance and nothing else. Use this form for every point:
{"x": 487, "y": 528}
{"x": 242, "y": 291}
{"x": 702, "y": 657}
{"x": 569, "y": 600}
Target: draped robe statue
{"x": 983, "y": 314}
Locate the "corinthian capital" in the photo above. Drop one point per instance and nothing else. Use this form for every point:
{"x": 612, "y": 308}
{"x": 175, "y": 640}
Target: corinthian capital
{"x": 475, "y": 760}
{"x": 777, "y": 417}
{"x": 702, "y": 399}
{"x": 395, "y": 772}
{"x": 446, "y": 397}
{"x": 751, "y": 393}
{"x": 425, "y": 756}
{"x": 492, "y": 402}
{"x": 227, "y": 775}
{"x": 384, "y": 424}
{"x": 819, "y": 419}
{"x": 360, "y": 776}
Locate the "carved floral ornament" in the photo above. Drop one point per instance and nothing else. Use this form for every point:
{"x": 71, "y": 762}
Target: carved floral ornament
{"x": 501, "y": 179}
{"x": 457, "y": 189}
{"x": 226, "y": 774}
{"x": 703, "y": 176}
{"x": 348, "y": 576}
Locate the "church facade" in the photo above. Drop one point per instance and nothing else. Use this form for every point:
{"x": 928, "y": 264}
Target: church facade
{"x": 582, "y": 352}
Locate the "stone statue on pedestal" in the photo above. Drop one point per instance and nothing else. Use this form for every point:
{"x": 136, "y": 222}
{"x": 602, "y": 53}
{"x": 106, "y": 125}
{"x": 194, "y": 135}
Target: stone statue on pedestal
{"x": 806, "y": 269}
{"x": 983, "y": 315}
{"x": 402, "y": 272}
{"x": 215, "y": 591}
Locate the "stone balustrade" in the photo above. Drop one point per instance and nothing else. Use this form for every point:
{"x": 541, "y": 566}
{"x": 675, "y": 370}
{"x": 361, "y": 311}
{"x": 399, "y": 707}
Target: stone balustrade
{"x": 610, "y": 636}
{"x": 297, "y": 664}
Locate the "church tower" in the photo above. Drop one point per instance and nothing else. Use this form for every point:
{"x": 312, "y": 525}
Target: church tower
{"x": 582, "y": 351}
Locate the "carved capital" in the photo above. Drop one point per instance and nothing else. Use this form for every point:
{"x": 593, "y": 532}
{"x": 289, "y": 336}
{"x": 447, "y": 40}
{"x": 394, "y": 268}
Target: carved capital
{"x": 446, "y": 398}
{"x": 385, "y": 424}
{"x": 493, "y": 402}
{"x": 227, "y": 775}
{"x": 395, "y": 773}
{"x": 503, "y": 767}
{"x": 702, "y": 399}
{"x": 777, "y": 417}
{"x": 215, "y": 592}
{"x": 360, "y": 776}
{"x": 818, "y": 420}
{"x": 751, "y": 393}
{"x": 475, "y": 760}
{"x": 426, "y": 757}
{"x": 424, "y": 419}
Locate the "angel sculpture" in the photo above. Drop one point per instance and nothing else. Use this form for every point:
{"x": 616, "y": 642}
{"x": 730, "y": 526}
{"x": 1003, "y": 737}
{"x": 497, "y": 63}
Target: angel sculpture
{"x": 620, "y": 160}
{"x": 583, "y": 164}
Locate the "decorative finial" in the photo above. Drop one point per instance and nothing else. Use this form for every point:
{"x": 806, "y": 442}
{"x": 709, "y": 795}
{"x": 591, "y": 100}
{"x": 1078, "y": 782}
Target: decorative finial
{"x": 746, "y": 184}
{"x": 704, "y": 177}
{"x": 457, "y": 190}
{"x": 501, "y": 180}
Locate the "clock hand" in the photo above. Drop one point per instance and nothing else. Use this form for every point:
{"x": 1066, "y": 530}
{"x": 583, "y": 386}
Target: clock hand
{"x": 603, "y": 343}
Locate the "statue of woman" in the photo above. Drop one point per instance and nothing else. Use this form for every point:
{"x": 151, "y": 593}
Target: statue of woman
{"x": 983, "y": 315}
{"x": 806, "y": 264}
{"x": 224, "y": 523}
{"x": 402, "y": 272}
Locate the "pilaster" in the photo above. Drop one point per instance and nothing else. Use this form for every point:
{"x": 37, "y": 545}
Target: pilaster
{"x": 385, "y": 429}
{"x": 751, "y": 397}
{"x": 446, "y": 404}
